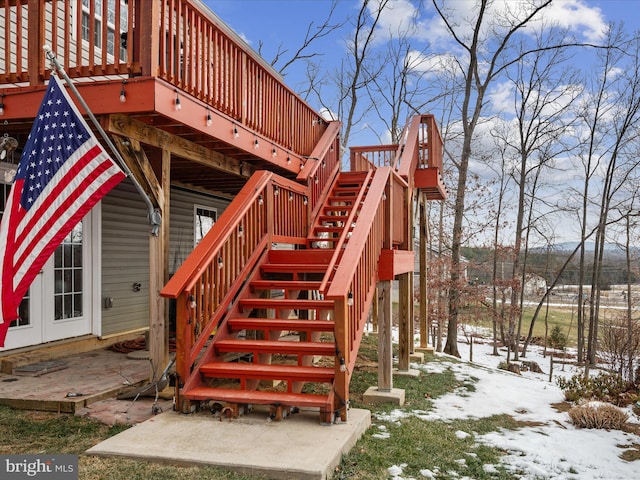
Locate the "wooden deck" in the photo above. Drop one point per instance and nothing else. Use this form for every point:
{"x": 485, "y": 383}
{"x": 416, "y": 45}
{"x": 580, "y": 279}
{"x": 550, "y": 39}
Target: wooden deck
{"x": 93, "y": 377}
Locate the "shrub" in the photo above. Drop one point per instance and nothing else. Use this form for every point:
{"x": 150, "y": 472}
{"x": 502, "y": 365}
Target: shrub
{"x": 604, "y": 386}
{"x": 598, "y": 416}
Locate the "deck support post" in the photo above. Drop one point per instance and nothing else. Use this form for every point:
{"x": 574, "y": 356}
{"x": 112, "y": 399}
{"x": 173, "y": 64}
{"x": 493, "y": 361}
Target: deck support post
{"x": 405, "y": 321}
{"x": 385, "y": 347}
{"x": 384, "y": 392}
{"x": 424, "y": 300}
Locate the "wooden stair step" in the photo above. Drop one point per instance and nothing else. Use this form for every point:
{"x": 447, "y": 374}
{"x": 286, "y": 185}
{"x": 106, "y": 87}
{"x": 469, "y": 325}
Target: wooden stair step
{"x": 276, "y": 346}
{"x": 297, "y": 304}
{"x": 335, "y": 201}
{"x": 329, "y": 229}
{"x": 258, "y": 371}
{"x": 304, "y": 256}
{"x": 350, "y": 190}
{"x": 322, "y": 239}
{"x": 289, "y": 324}
{"x": 333, "y": 218}
{"x": 292, "y": 268}
{"x": 258, "y": 397}
{"x": 337, "y": 207}
{"x": 285, "y": 285}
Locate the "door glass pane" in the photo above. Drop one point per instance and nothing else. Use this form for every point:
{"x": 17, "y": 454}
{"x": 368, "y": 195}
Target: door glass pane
{"x": 23, "y": 309}
{"x": 68, "y": 276}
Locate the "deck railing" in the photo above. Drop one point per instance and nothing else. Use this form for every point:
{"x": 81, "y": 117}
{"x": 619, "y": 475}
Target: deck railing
{"x": 175, "y": 40}
{"x": 423, "y": 147}
{"x": 361, "y": 158}
{"x": 268, "y": 209}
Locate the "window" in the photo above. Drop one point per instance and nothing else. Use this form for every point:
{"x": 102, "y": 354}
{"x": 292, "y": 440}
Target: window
{"x": 111, "y": 21}
{"x": 68, "y": 276}
{"x": 204, "y": 218}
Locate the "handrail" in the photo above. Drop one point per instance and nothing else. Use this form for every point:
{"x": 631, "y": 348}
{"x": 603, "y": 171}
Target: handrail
{"x": 322, "y": 165}
{"x": 338, "y": 250}
{"x": 209, "y": 247}
{"x": 354, "y": 282}
{"x": 268, "y": 208}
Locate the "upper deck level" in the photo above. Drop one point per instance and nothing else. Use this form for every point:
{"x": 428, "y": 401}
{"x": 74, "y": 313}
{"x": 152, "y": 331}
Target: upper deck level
{"x": 160, "y": 70}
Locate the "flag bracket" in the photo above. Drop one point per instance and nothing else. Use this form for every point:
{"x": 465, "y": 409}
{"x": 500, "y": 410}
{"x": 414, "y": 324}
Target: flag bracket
{"x": 154, "y": 215}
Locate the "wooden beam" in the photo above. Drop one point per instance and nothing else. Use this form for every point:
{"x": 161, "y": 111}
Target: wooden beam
{"x": 137, "y": 161}
{"x": 394, "y": 262}
{"x": 134, "y": 129}
{"x": 158, "y": 273}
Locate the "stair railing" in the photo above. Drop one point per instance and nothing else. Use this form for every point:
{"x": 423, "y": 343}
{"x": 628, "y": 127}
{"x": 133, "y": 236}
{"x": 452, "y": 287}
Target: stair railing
{"x": 354, "y": 282}
{"x": 268, "y": 209}
{"x": 339, "y": 243}
{"x": 322, "y": 166}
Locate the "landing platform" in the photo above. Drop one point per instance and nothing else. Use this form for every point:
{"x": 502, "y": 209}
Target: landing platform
{"x": 297, "y": 448}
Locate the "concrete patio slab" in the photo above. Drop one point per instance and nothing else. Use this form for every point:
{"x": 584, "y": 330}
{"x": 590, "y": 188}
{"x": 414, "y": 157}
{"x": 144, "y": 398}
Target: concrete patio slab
{"x": 297, "y": 448}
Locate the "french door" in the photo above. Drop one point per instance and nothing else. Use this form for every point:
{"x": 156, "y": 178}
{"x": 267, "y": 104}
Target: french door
{"x": 59, "y": 303}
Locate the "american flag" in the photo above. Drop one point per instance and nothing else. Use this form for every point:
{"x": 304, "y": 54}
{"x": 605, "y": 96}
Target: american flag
{"x": 63, "y": 173}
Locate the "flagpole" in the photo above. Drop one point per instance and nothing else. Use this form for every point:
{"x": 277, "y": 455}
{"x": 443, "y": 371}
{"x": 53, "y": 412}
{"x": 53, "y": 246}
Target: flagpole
{"x": 155, "y": 217}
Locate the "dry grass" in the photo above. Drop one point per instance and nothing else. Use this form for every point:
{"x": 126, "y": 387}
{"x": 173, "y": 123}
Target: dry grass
{"x": 604, "y": 416}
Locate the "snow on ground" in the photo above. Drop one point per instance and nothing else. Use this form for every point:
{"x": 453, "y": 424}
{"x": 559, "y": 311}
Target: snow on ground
{"x": 553, "y": 450}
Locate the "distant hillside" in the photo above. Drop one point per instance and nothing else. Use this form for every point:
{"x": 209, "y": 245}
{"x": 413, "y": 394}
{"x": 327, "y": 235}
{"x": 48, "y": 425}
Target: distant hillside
{"x": 568, "y": 247}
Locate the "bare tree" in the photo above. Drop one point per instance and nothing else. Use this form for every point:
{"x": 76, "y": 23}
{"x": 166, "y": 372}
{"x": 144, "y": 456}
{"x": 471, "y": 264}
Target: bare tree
{"x": 544, "y": 89}
{"x": 305, "y": 51}
{"x": 356, "y": 75}
{"x": 486, "y": 57}
{"x": 595, "y": 109}
{"x": 622, "y": 129}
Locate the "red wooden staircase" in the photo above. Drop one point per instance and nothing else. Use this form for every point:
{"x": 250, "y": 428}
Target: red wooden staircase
{"x": 272, "y": 303}
{"x": 276, "y": 343}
